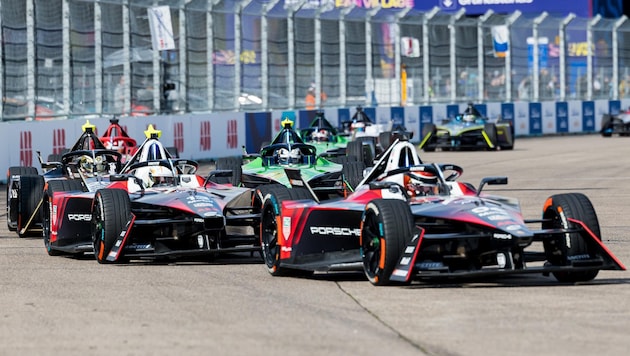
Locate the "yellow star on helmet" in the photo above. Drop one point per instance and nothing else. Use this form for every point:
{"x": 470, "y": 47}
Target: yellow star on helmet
{"x": 152, "y": 132}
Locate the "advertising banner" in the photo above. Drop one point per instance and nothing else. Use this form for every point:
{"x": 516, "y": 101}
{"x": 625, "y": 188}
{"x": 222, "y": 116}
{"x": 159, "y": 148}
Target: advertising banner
{"x": 562, "y": 117}
{"x": 535, "y": 118}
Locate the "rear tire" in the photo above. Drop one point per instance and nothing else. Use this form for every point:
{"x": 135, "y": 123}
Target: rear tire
{"x": 386, "y": 229}
{"x": 559, "y": 208}
{"x": 110, "y": 212}
{"x": 364, "y": 148}
{"x": 234, "y": 164}
{"x": 13, "y": 202}
{"x": 353, "y": 173}
{"x": 491, "y": 131}
{"x": 30, "y": 195}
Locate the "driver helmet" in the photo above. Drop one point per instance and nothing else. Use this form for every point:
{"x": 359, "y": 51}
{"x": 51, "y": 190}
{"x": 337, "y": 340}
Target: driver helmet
{"x": 287, "y": 157}
{"x": 320, "y": 135}
{"x": 424, "y": 187}
{"x": 469, "y": 118}
{"x": 91, "y": 165}
{"x": 161, "y": 176}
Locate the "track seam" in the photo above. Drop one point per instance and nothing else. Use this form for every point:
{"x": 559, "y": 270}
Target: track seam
{"x": 377, "y": 318}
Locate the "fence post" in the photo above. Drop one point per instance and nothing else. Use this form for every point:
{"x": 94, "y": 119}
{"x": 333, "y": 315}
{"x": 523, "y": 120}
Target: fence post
{"x": 397, "y": 58}
{"x": 30, "y": 58}
{"x": 65, "y": 21}
{"x": 589, "y": 56}
{"x": 563, "y": 55}
{"x": 536, "y": 57}
{"x": 343, "y": 65}
{"x": 210, "y": 55}
{"x": 615, "y": 55}
{"x": 369, "y": 72}
{"x": 453, "y": 52}
{"x": 426, "y": 64}
{"x": 508, "y": 56}
{"x": 480, "y": 55}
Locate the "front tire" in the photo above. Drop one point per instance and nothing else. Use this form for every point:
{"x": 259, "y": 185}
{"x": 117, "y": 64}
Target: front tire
{"x": 110, "y": 212}
{"x": 272, "y": 198}
{"x": 559, "y": 208}
{"x": 386, "y": 228}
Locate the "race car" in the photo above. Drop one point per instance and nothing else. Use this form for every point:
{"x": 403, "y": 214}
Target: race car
{"x": 328, "y": 179}
{"x": 155, "y": 208}
{"x": 468, "y": 131}
{"x": 412, "y": 220}
{"x": 324, "y": 137}
{"x": 616, "y": 124}
{"x": 116, "y": 138}
{"x": 87, "y": 158}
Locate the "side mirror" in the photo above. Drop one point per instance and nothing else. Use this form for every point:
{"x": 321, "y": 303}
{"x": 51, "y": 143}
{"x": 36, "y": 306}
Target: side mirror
{"x": 491, "y": 181}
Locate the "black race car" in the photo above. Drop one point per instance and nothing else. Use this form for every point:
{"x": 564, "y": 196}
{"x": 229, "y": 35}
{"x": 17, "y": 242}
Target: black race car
{"x": 410, "y": 219}
{"x": 468, "y": 131}
{"x": 87, "y": 162}
{"x": 616, "y": 124}
{"x": 155, "y": 208}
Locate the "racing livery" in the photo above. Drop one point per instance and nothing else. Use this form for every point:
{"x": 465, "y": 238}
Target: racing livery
{"x": 156, "y": 207}
{"x": 468, "y": 131}
{"x": 87, "y": 158}
{"x": 326, "y": 178}
{"x": 412, "y": 220}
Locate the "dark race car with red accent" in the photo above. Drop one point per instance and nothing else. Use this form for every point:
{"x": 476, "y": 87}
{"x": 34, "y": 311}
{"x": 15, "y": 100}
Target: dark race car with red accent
{"x": 155, "y": 208}
{"x": 411, "y": 220}
{"x": 87, "y": 161}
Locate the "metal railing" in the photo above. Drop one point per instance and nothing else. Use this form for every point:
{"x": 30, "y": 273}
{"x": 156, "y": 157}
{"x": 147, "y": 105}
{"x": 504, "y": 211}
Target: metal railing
{"x": 67, "y": 58}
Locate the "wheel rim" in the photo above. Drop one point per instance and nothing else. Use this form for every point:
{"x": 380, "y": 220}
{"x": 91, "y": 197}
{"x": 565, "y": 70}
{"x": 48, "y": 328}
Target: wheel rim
{"x": 269, "y": 237}
{"x": 97, "y": 228}
{"x": 46, "y": 225}
{"x": 371, "y": 246}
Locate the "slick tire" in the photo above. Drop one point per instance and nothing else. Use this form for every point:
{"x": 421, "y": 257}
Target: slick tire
{"x": 491, "y": 131}
{"x": 234, "y": 164}
{"x": 558, "y": 209}
{"x": 12, "y": 188}
{"x": 55, "y": 186}
{"x": 510, "y": 144}
{"x": 110, "y": 212}
{"x": 364, "y": 148}
{"x": 607, "y": 125}
{"x": 272, "y": 198}
{"x": 386, "y": 228}
{"x": 30, "y": 196}
{"x": 353, "y": 173}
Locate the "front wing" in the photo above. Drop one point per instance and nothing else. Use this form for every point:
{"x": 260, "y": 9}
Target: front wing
{"x": 412, "y": 265}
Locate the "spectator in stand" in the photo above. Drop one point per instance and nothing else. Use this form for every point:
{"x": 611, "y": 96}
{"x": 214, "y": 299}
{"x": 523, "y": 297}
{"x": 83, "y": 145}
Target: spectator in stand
{"x": 310, "y": 99}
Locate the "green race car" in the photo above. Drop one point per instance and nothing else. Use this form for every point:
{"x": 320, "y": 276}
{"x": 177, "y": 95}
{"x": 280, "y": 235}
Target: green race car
{"x": 287, "y": 150}
{"x": 326, "y": 139}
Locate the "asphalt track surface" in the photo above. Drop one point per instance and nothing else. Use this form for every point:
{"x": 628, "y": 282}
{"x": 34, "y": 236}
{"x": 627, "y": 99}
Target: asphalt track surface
{"x": 232, "y": 306}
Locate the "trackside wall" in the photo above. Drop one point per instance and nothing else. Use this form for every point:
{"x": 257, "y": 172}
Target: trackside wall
{"x": 210, "y": 136}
